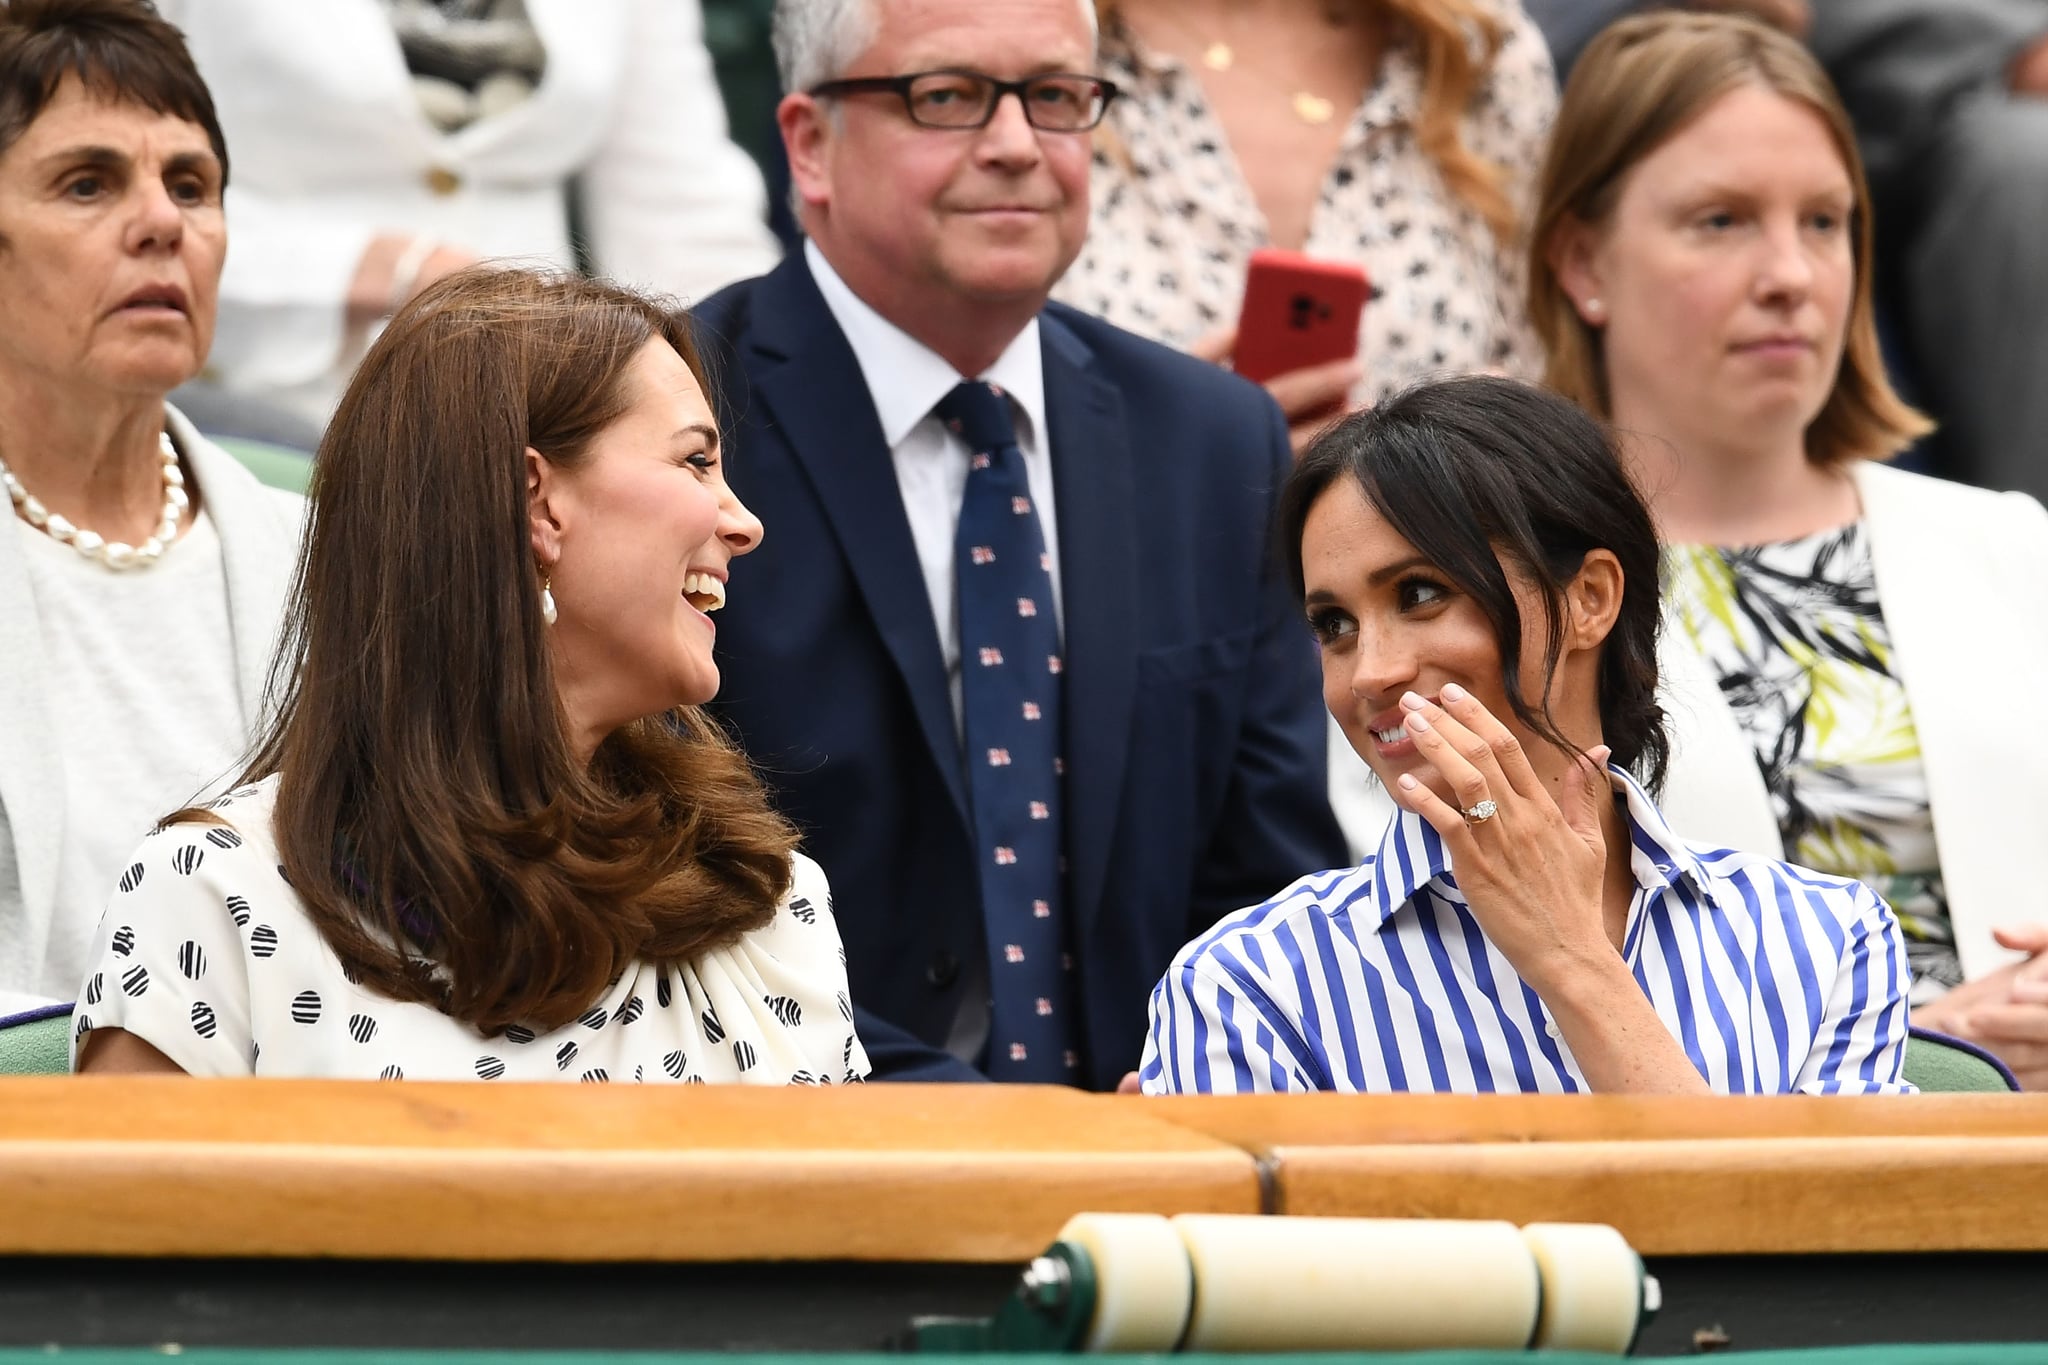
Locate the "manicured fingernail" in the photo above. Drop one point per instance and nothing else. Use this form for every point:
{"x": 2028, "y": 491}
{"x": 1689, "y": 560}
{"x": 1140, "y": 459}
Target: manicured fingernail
{"x": 1408, "y": 782}
{"x": 1415, "y": 721}
{"x": 1452, "y": 692}
{"x": 1413, "y": 701}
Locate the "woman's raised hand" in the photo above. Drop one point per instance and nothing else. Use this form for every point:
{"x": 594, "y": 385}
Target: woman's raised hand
{"x": 1534, "y": 869}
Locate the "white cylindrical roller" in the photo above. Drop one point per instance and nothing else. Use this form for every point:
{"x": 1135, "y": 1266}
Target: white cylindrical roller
{"x": 1143, "y": 1286}
{"x": 1592, "y": 1287}
{"x": 1337, "y": 1284}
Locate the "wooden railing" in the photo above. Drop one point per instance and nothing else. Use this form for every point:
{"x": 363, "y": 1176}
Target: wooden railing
{"x": 173, "y": 1167}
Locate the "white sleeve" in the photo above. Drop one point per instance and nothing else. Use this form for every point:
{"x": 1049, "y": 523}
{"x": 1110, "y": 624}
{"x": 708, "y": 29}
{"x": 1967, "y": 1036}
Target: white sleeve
{"x": 671, "y": 202}
{"x": 813, "y": 1003}
{"x": 167, "y": 963}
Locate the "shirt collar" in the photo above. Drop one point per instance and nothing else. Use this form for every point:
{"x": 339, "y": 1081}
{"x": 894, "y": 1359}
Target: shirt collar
{"x": 906, "y": 378}
{"x": 1411, "y": 855}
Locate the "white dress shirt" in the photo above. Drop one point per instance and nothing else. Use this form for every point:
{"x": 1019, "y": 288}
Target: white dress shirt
{"x": 906, "y": 379}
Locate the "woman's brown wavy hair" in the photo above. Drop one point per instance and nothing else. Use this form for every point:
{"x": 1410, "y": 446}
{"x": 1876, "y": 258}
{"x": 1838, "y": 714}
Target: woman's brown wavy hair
{"x": 1455, "y": 43}
{"x": 430, "y": 812}
{"x": 1637, "y": 85}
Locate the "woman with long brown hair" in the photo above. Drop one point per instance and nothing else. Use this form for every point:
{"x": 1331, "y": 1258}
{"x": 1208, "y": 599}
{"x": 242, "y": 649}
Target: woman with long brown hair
{"x": 488, "y": 834}
{"x": 1399, "y": 135}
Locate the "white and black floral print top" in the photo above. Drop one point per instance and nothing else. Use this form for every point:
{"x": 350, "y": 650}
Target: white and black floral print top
{"x": 207, "y": 954}
{"x": 1173, "y": 222}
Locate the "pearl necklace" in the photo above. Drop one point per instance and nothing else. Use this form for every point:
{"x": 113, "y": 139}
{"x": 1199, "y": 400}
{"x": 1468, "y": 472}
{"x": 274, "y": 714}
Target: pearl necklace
{"x": 112, "y": 553}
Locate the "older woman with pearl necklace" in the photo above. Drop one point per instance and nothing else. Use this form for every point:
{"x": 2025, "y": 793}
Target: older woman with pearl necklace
{"x": 142, "y": 570}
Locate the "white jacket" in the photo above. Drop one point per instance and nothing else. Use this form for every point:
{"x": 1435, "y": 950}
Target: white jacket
{"x": 259, "y": 544}
{"x": 328, "y": 147}
{"x": 1962, "y": 579}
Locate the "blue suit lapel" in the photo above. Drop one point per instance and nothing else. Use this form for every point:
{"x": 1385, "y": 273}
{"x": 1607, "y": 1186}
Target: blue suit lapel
{"x": 1097, "y": 503}
{"x": 806, "y": 375}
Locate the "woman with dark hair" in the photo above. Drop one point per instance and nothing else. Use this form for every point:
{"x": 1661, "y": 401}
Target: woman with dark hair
{"x": 142, "y": 569}
{"x": 1482, "y": 579}
{"x": 489, "y": 834}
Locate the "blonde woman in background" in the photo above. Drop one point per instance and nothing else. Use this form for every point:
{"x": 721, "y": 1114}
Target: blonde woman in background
{"x": 1399, "y": 135}
{"x": 1841, "y": 634}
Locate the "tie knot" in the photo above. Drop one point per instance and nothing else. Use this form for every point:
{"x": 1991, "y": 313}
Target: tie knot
{"x": 980, "y": 413}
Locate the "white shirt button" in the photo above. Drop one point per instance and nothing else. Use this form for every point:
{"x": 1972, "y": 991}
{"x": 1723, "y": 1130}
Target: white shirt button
{"x": 1551, "y": 1029}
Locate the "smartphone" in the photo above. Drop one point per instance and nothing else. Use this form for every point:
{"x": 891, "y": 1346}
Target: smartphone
{"x": 1298, "y": 311}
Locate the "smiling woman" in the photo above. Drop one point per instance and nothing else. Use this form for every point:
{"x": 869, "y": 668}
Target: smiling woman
{"x": 1482, "y": 579}
{"x": 141, "y": 569}
{"x": 489, "y": 834}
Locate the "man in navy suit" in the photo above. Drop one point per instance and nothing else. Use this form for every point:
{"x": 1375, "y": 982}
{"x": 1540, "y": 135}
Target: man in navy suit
{"x": 1185, "y": 775}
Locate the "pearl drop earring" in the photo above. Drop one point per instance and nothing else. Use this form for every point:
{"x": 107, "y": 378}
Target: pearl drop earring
{"x": 1594, "y": 309}
{"x": 547, "y": 599}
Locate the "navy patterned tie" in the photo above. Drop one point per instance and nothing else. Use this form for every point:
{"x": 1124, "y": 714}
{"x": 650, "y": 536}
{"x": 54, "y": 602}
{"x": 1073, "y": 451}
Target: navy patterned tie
{"x": 1010, "y": 705}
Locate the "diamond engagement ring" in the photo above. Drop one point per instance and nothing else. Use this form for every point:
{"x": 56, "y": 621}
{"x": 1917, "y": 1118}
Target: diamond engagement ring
{"x": 1481, "y": 813}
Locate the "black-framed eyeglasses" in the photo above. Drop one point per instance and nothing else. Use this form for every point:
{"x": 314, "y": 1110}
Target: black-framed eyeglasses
{"x": 1055, "y": 103}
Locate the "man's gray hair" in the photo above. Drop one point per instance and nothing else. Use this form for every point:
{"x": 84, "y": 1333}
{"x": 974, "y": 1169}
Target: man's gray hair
{"x": 816, "y": 40}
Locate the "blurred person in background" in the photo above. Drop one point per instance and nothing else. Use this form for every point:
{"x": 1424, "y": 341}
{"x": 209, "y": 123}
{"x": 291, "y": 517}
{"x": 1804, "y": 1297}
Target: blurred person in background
{"x": 380, "y": 144}
{"x": 1398, "y": 135}
{"x": 1836, "y": 627}
{"x": 490, "y": 834}
{"x": 1568, "y": 25}
{"x": 1950, "y": 102}
{"x": 142, "y": 570}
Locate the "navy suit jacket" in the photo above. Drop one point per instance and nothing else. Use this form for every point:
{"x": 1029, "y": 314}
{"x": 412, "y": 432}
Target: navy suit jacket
{"x": 1194, "y": 730}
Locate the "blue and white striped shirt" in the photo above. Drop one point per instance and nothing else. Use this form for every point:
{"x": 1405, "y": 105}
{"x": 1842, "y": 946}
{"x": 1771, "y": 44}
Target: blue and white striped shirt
{"x": 1376, "y": 978}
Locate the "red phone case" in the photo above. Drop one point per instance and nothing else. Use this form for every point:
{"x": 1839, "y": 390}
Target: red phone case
{"x": 1298, "y": 311}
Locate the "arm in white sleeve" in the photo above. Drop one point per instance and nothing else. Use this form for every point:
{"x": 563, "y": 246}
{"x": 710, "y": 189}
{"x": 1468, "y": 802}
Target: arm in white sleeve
{"x": 168, "y": 964}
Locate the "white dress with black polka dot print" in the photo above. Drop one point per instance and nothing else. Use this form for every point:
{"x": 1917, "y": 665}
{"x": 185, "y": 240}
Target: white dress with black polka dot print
{"x": 1173, "y": 222}
{"x": 207, "y": 954}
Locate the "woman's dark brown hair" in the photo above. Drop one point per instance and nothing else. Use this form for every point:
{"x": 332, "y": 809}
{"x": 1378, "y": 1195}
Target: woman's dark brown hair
{"x": 1482, "y": 475}
{"x": 122, "y": 51}
{"x": 430, "y": 812}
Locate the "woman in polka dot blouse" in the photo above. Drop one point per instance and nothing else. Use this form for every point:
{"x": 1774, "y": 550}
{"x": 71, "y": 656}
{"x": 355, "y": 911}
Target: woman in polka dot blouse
{"x": 488, "y": 834}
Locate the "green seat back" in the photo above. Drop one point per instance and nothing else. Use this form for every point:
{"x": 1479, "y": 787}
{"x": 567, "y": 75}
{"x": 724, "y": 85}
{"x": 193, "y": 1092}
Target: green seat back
{"x": 40, "y": 1047}
{"x": 1938, "y": 1064}
{"x": 277, "y": 466}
